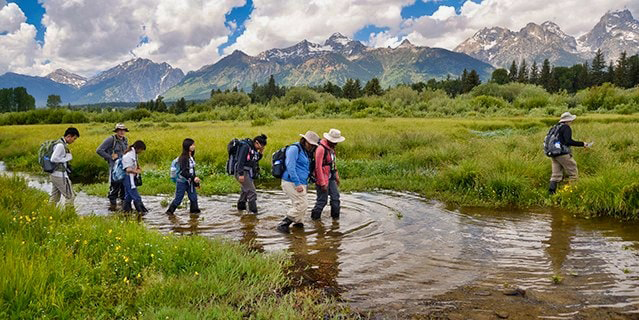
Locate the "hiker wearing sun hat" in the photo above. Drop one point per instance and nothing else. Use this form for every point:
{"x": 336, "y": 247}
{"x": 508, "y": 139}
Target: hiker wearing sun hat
{"x": 326, "y": 175}
{"x": 111, "y": 149}
{"x": 295, "y": 178}
{"x": 557, "y": 147}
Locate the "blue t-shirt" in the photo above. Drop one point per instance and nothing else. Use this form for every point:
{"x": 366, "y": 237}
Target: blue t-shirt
{"x": 297, "y": 165}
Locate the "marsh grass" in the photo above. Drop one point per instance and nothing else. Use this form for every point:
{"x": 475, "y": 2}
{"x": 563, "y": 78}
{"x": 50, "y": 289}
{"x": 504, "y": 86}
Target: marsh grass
{"x": 58, "y": 265}
{"x": 479, "y": 162}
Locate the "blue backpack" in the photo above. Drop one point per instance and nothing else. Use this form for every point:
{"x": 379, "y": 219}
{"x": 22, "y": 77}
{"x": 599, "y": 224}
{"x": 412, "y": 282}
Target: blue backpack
{"x": 175, "y": 170}
{"x": 118, "y": 173}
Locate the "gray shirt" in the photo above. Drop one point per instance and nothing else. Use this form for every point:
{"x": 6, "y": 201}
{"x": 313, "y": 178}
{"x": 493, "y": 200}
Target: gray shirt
{"x": 110, "y": 146}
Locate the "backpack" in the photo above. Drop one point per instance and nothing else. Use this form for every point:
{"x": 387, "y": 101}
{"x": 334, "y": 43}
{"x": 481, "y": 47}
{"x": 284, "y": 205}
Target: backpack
{"x": 175, "y": 169}
{"x": 311, "y": 176}
{"x": 278, "y": 161}
{"x": 552, "y": 145}
{"x": 233, "y": 148}
{"x": 44, "y": 155}
{"x": 118, "y": 173}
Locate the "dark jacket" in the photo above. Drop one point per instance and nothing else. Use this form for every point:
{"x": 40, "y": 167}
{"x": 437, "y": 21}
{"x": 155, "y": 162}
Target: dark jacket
{"x": 110, "y": 146}
{"x": 565, "y": 137}
{"x": 247, "y": 159}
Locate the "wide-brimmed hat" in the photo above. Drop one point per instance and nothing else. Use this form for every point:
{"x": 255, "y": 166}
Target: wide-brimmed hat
{"x": 120, "y": 126}
{"x": 312, "y": 137}
{"x": 334, "y": 136}
{"x": 567, "y": 116}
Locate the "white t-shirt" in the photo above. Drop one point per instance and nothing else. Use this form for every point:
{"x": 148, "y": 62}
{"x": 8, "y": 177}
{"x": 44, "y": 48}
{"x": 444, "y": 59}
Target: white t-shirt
{"x": 130, "y": 160}
{"x": 60, "y": 155}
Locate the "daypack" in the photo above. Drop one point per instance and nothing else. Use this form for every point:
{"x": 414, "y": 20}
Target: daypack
{"x": 278, "y": 161}
{"x": 44, "y": 155}
{"x": 118, "y": 173}
{"x": 175, "y": 169}
{"x": 552, "y": 145}
{"x": 233, "y": 148}
{"x": 312, "y": 178}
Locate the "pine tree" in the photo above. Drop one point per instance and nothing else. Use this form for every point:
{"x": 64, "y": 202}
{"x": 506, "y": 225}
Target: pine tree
{"x": 610, "y": 73}
{"x": 373, "y": 88}
{"x": 160, "y": 106}
{"x": 358, "y": 88}
{"x": 464, "y": 81}
{"x": 472, "y": 80}
{"x": 522, "y": 74}
{"x": 512, "y": 73}
{"x": 534, "y": 73}
{"x": 598, "y": 66}
{"x": 545, "y": 76}
{"x": 180, "y": 106}
{"x": 622, "y": 72}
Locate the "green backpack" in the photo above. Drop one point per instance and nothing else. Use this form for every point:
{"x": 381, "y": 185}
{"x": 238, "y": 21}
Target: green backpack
{"x": 44, "y": 155}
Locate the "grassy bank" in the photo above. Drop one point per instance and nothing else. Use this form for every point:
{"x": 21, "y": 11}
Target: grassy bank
{"x": 484, "y": 162}
{"x": 57, "y": 265}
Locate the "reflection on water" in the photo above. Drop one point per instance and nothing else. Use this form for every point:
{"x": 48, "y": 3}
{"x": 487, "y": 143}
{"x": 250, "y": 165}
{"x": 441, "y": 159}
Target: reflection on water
{"x": 391, "y": 247}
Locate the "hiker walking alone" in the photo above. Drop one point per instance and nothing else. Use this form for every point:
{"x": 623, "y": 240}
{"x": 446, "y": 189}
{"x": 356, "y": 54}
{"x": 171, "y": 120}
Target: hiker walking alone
{"x": 133, "y": 178}
{"x": 111, "y": 149}
{"x": 295, "y": 179}
{"x": 186, "y": 181}
{"x": 246, "y": 169}
{"x": 557, "y": 147}
{"x": 326, "y": 175}
{"x": 60, "y": 157}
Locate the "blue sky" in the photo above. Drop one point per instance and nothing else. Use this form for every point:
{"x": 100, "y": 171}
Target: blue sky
{"x": 237, "y": 16}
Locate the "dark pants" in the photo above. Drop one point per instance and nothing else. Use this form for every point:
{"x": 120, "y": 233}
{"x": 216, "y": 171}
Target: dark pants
{"x": 322, "y": 199}
{"x": 130, "y": 194}
{"x": 248, "y": 189}
{"x": 116, "y": 191}
{"x": 180, "y": 189}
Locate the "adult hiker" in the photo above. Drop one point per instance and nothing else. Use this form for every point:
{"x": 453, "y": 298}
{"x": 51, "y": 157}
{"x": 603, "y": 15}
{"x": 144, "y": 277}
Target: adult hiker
{"x": 326, "y": 175}
{"x": 186, "y": 181}
{"x": 295, "y": 179}
{"x": 557, "y": 147}
{"x": 133, "y": 179}
{"x": 249, "y": 153}
{"x": 111, "y": 149}
{"x": 60, "y": 157}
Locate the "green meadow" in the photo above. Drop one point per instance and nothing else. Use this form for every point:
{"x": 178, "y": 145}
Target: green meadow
{"x": 491, "y": 162}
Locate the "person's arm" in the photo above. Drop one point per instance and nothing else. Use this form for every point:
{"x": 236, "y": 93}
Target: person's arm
{"x": 319, "y": 167}
{"x": 185, "y": 169}
{"x": 241, "y": 158}
{"x": 292, "y": 153}
{"x": 129, "y": 165}
{"x": 104, "y": 150}
{"x": 60, "y": 155}
{"x": 567, "y": 135}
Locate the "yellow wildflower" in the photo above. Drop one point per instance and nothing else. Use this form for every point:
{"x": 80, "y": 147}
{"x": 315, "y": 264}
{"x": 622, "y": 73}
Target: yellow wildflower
{"x": 85, "y": 242}
{"x": 139, "y": 276}
{"x": 117, "y": 248}
{"x": 152, "y": 255}
{"x": 196, "y": 273}
{"x": 126, "y": 259}
{"x": 110, "y": 231}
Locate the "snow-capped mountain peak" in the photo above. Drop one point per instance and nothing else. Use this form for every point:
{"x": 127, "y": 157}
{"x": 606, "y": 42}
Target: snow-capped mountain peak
{"x": 66, "y": 77}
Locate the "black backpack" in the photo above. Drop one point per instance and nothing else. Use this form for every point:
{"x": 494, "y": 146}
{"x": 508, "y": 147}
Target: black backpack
{"x": 233, "y": 148}
{"x": 552, "y": 145}
{"x": 278, "y": 161}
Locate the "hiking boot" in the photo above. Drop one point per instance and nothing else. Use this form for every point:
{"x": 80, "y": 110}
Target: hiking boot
{"x": 298, "y": 225}
{"x": 316, "y": 214}
{"x": 553, "y": 187}
{"x": 140, "y": 208}
{"x": 252, "y": 206}
{"x": 284, "y": 225}
{"x": 171, "y": 210}
{"x": 194, "y": 208}
{"x": 335, "y": 212}
{"x": 241, "y": 205}
{"x": 126, "y": 207}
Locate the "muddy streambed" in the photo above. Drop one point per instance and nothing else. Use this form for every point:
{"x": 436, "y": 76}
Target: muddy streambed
{"x": 397, "y": 255}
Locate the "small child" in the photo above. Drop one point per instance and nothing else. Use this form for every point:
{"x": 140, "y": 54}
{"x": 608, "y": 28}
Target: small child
{"x": 186, "y": 180}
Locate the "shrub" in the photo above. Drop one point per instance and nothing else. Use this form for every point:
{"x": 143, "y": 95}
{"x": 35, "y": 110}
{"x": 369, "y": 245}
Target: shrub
{"x": 239, "y": 99}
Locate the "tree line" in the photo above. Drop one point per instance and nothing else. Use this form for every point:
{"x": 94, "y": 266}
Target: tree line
{"x": 16, "y": 99}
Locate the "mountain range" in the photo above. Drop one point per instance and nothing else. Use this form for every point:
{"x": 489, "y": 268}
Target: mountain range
{"x": 616, "y": 31}
{"x": 337, "y": 59}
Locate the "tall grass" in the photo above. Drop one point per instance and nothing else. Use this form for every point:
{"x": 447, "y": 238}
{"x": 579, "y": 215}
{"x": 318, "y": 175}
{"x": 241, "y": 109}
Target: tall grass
{"x": 57, "y": 265}
{"x": 484, "y": 162}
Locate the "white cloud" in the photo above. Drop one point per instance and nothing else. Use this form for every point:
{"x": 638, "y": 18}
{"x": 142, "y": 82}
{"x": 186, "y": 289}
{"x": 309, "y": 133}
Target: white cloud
{"x": 19, "y": 51}
{"x": 10, "y": 17}
{"x": 444, "y": 12}
{"x": 276, "y": 24}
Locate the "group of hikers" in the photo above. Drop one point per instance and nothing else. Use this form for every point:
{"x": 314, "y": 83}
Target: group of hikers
{"x": 310, "y": 160}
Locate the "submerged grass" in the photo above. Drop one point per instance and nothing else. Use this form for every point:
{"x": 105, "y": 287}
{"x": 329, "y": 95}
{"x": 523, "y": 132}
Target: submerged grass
{"x": 61, "y": 266}
{"x": 479, "y": 162}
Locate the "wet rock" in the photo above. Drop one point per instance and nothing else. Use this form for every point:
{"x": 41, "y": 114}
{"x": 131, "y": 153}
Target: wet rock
{"x": 502, "y": 314}
{"x": 516, "y": 292}
{"x": 483, "y": 293}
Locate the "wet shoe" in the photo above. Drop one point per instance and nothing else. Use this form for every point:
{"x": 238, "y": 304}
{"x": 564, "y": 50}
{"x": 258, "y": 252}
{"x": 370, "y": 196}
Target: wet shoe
{"x": 316, "y": 215}
{"x": 552, "y": 188}
{"x": 140, "y": 208}
{"x": 171, "y": 210}
{"x": 298, "y": 225}
{"x": 284, "y": 225}
{"x": 113, "y": 207}
{"x": 126, "y": 207}
{"x": 241, "y": 205}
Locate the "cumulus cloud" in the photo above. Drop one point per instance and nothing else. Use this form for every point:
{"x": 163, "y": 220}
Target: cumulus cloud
{"x": 276, "y": 24}
{"x": 19, "y": 51}
{"x": 446, "y": 29}
{"x": 88, "y": 36}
